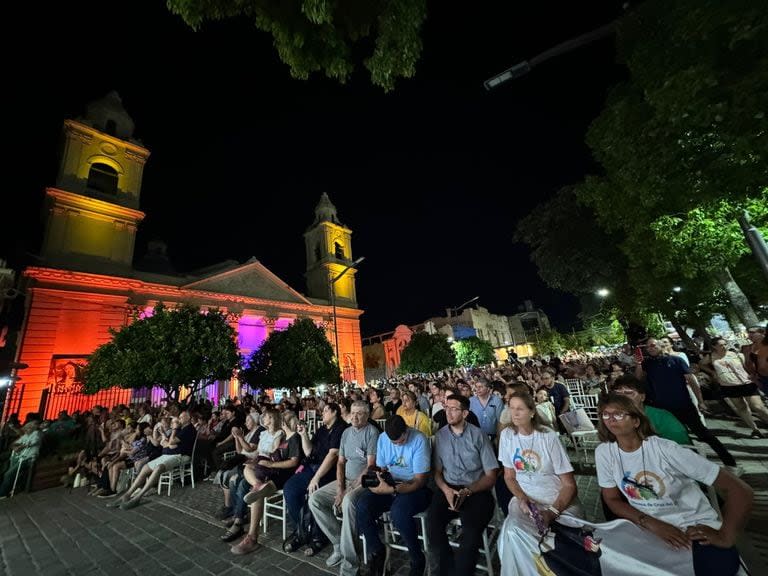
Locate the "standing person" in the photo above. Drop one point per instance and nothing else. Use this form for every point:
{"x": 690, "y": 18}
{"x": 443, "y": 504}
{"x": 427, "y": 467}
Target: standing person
{"x": 667, "y": 379}
{"x": 486, "y": 406}
{"x": 404, "y": 453}
{"x": 465, "y": 472}
{"x": 357, "y": 452}
{"x": 737, "y": 390}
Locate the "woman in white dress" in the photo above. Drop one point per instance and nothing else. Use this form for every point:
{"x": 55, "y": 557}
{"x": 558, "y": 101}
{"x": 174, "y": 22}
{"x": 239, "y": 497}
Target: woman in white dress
{"x": 670, "y": 526}
{"x": 540, "y": 477}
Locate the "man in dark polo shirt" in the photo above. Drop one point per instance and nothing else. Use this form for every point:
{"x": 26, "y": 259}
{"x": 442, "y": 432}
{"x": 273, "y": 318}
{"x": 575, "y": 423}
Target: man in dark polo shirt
{"x": 318, "y": 467}
{"x": 668, "y": 378}
{"x": 465, "y": 472}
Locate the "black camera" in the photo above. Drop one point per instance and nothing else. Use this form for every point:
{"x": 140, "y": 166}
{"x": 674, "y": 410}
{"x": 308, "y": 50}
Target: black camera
{"x": 371, "y": 480}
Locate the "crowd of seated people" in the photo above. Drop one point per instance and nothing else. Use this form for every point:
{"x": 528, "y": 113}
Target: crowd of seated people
{"x": 466, "y": 444}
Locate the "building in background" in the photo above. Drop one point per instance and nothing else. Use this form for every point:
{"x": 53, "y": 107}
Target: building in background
{"x": 86, "y": 282}
{"x": 505, "y": 333}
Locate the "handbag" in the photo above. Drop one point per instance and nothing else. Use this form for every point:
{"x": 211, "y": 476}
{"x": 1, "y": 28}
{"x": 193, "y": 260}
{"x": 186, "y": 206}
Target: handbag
{"x": 576, "y": 552}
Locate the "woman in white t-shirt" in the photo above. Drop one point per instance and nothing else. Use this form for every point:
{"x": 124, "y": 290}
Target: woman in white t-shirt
{"x": 659, "y": 478}
{"x": 540, "y": 477}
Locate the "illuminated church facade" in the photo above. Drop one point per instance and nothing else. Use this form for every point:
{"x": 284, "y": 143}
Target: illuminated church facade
{"x": 86, "y": 282}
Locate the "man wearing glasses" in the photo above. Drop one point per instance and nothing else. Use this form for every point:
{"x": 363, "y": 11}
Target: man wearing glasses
{"x": 663, "y": 421}
{"x": 465, "y": 472}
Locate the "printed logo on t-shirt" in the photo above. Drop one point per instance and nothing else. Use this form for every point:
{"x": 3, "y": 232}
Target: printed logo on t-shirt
{"x": 526, "y": 460}
{"x": 398, "y": 460}
{"x": 644, "y": 486}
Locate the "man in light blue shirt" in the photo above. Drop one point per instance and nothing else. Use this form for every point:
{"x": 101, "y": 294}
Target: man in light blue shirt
{"x": 486, "y": 406}
{"x": 404, "y": 453}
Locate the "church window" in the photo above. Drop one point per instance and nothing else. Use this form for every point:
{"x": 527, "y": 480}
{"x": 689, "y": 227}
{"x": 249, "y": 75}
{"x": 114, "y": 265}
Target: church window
{"x": 103, "y": 178}
{"x": 318, "y": 252}
{"x": 339, "y": 249}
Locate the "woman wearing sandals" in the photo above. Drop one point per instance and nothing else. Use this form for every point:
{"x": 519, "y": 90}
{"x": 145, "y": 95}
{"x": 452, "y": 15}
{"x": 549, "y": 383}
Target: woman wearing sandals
{"x": 289, "y": 452}
{"x": 257, "y": 482}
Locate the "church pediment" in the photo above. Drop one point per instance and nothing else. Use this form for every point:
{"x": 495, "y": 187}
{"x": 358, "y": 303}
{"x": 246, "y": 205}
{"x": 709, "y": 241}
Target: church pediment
{"x": 251, "y": 280}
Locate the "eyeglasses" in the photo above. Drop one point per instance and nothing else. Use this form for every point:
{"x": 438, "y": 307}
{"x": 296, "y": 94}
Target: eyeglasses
{"x": 618, "y": 416}
{"x": 625, "y": 391}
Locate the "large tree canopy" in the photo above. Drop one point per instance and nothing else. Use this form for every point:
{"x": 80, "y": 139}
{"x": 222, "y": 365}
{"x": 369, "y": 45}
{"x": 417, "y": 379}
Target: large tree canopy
{"x": 298, "y": 357}
{"x": 172, "y": 348}
{"x": 427, "y": 353}
{"x": 325, "y": 35}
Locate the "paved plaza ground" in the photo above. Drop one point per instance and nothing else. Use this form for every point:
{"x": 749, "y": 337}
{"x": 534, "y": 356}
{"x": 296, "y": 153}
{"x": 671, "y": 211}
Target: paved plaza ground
{"x": 57, "y": 532}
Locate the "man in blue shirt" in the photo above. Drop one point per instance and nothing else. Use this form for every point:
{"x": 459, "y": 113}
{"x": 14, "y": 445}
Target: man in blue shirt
{"x": 405, "y": 453}
{"x": 486, "y": 406}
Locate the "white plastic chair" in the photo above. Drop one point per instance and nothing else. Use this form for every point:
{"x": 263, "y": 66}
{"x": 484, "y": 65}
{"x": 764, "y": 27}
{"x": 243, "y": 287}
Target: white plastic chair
{"x": 274, "y": 507}
{"x": 184, "y": 470}
{"x": 490, "y": 533}
{"x": 392, "y": 536}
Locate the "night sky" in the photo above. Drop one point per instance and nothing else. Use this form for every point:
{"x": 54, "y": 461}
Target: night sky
{"x": 431, "y": 178}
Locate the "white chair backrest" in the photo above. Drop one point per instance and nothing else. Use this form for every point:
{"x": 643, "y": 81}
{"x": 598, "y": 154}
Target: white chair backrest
{"x": 575, "y": 386}
{"x": 576, "y": 421}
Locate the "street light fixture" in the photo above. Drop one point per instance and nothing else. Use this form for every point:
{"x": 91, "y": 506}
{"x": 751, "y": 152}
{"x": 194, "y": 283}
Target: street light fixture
{"x": 522, "y": 68}
{"x": 457, "y": 308}
{"x": 603, "y": 292}
{"x": 331, "y": 282}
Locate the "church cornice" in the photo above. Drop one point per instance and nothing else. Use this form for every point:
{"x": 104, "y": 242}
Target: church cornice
{"x": 131, "y": 287}
{"x": 94, "y": 206}
{"x": 86, "y": 133}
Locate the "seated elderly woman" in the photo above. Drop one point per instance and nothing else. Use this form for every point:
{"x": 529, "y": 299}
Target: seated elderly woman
{"x": 669, "y": 526}
{"x": 540, "y": 477}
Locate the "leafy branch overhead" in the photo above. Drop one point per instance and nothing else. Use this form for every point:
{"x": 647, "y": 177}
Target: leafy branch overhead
{"x": 325, "y": 36}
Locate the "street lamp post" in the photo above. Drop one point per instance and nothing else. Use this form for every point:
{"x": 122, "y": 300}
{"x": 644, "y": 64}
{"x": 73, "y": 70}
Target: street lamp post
{"x": 331, "y": 282}
{"x": 453, "y": 311}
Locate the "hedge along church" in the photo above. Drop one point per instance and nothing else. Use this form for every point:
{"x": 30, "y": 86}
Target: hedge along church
{"x": 87, "y": 282}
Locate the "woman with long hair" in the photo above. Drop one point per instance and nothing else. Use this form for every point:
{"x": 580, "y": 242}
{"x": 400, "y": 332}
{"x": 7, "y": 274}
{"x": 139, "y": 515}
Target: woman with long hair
{"x": 540, "y": 477}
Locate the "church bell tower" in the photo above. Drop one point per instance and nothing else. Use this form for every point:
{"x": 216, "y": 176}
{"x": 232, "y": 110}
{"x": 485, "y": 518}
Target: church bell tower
{"x": 92, "y": 212}
{"x": 329, "y": 253}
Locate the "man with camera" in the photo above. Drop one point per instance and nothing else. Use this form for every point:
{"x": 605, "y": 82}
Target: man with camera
{"x": 465, "y": 472}
{"x": 357, "y": 452}
{"x": 398, "y": 485}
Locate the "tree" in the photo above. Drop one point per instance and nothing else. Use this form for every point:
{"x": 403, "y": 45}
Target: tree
{"x": 321, "y": 35}
{"x": 298, "y": 357}
{"x": 427, "y": 353}
{"x": 685, "y": 134}
{"x": 572, "y": 253}
{"x": 550, "y": 342}
{"x": 473, "y": 351}
{"x": 172, "y": 348}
